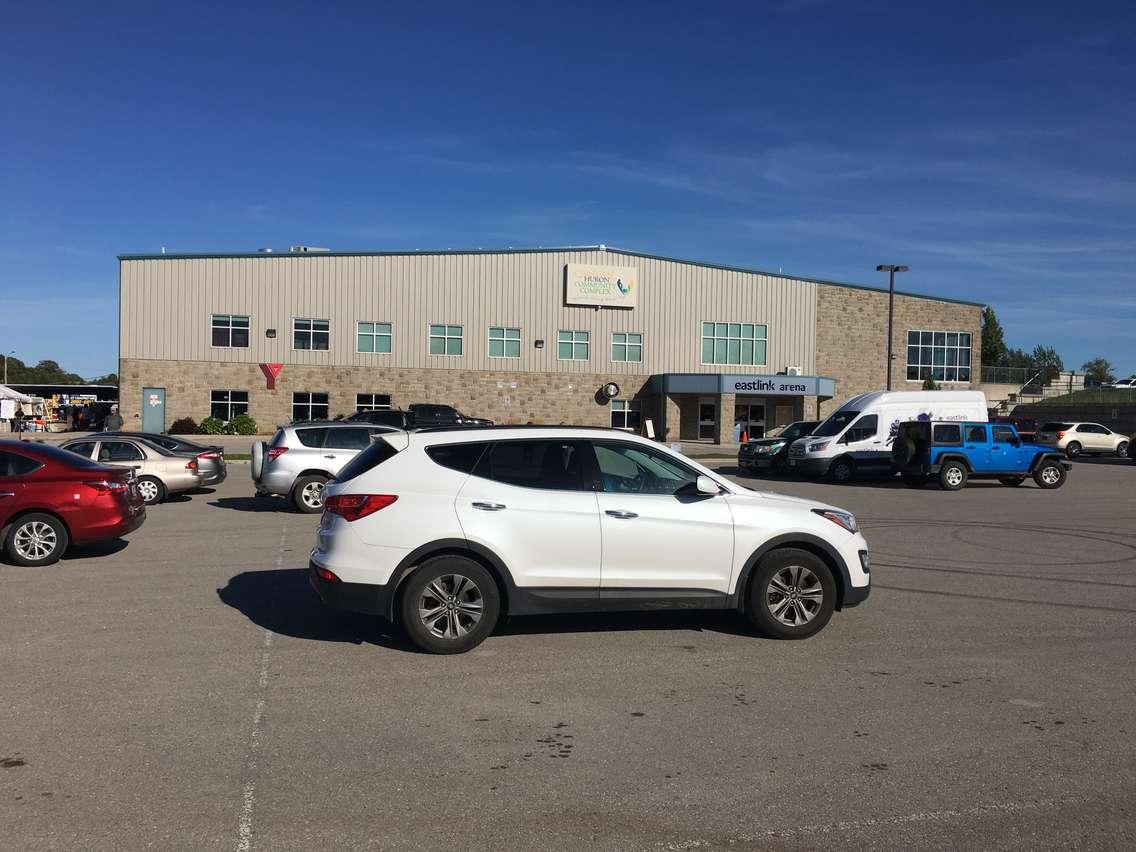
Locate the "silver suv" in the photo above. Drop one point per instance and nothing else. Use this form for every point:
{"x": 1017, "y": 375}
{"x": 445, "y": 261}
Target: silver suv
{"x": 302, "y": 457}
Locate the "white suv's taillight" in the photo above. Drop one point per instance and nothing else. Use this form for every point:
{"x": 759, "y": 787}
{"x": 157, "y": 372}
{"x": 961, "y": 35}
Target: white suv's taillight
{"x": 355, "y": 506}
{"x": 275, "y": 452}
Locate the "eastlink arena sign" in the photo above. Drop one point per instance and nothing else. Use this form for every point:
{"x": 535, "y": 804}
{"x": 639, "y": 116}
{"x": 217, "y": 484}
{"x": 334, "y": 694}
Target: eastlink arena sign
{"x": 771, "y": 385}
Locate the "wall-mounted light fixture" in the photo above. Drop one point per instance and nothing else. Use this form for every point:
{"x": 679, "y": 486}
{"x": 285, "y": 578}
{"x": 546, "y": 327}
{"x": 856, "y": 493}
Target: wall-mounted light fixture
{"x": 539, "y": 344}
{"x": 270, "y": 332}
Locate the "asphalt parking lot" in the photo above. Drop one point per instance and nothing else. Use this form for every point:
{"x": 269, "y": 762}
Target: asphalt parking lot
{"x": 188, "y": 690}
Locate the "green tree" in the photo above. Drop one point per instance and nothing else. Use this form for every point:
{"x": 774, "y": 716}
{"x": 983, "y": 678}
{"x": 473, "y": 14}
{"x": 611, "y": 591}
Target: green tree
{"x": 1046, "y": 360}
{"x": 993, "y": 340}
{"x": 1099, "y": 369}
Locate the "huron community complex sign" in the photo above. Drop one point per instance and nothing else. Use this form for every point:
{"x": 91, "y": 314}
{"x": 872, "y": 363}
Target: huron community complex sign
{"x": 601, "y": 286}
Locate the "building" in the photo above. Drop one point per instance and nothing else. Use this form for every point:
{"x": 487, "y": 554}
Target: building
{"x": 518, "y": 335}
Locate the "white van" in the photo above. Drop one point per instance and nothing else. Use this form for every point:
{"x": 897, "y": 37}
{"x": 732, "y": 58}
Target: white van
{"x": 858, "y": 436}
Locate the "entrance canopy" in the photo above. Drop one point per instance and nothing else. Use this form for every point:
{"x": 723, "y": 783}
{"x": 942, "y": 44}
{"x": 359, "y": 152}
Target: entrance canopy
{"x": 716, "y": 384}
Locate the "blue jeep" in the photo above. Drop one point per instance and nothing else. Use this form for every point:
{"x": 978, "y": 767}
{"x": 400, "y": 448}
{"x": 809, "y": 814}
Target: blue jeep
{"x": 955, "y": 452}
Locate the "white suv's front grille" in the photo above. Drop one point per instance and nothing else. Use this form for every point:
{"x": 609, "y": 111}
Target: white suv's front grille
{"x": 797, "y": 450}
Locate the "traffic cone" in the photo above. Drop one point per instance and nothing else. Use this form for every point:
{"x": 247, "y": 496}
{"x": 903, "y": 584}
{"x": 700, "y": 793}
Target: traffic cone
{"x": 745, "y": 436}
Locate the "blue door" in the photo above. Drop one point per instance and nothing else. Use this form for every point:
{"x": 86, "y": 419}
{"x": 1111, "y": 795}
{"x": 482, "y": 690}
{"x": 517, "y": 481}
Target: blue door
{"x": 153, "y": 409}
{"x": 1005, "y": 449}
{"x": 976, "y": 440}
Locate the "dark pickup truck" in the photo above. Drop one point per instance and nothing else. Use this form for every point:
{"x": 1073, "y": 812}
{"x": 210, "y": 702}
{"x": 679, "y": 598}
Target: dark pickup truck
{"x": 954, "y": 453}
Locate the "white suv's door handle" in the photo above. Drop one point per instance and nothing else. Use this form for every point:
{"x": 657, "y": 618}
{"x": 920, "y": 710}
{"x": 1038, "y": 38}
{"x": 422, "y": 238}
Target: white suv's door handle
{"x": 329, "y": 457}
{"x": 488, "y": 507}
{"x": 619, "y": 513}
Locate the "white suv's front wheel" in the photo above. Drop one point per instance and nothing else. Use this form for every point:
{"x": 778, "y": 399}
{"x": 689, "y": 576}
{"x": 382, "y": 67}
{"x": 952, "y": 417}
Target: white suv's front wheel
{"x": 449, "y": 605}
{"x": 791, "y": 595}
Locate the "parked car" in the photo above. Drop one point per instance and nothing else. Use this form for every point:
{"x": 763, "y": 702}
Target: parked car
{"x": 210, "y": 459}
{"x": 1132, "y": 446}
{"x": 954, "y": 453}
{"x": 1025, "y": 426}
{"x": 159, "y": 472}
{"x": 1089, "y": 438}
{"x": 303, "y": 457}
{"x": 857, "y": 437}
{"x": 50, "y": 499}
{"x": 772, "y": 453}
{"x": 1123, "y": 384}
{"x": 442, "y": 530}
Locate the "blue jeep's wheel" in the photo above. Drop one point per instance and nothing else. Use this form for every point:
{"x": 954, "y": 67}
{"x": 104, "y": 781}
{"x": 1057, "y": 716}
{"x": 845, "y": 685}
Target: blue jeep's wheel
{"x": 952, "y": 476}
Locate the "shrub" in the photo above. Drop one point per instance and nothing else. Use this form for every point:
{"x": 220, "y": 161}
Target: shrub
{"x": 184, "y": 426}
{"x": 211, "y": 426}
{"x": 930, "y": 384}
{"x": 242, "y": 424}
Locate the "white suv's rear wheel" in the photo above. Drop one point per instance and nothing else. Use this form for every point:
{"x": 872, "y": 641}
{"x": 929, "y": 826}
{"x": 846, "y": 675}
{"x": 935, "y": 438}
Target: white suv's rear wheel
{"x": 792, "y": 594}
{"x": 449, "y": 605}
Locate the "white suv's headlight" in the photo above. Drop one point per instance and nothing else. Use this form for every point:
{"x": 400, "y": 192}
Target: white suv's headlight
{"x": 818, "y": 446}
{"x": 844, "y": 519}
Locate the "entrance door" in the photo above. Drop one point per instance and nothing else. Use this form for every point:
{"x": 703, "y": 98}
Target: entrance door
{"x": 154, "y": 410}
{"x": 751, "y": 417}
{"x": 707, "y": 420}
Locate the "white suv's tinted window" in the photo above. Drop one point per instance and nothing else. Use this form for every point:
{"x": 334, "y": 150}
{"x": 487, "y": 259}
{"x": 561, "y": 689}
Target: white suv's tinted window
{"x": 311, "y": 437}
{"x": 631, "y": 469}
{"x": 347, "y": 439}
{"x": 557, "y": 465}
{"x": 460, "y": 457}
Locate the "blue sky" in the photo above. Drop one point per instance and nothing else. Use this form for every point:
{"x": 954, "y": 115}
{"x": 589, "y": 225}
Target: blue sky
{"x": 992, "y": 151}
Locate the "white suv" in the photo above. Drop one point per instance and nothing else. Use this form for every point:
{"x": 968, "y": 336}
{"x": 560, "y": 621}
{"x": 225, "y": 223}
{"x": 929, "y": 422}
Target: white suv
{"x": 444, "y": 530}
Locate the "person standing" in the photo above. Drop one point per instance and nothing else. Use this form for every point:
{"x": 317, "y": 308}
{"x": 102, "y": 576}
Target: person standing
{"x": 113, "y": 421}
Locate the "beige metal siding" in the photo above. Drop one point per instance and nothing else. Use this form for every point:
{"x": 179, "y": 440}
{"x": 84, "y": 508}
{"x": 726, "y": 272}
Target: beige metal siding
{"x": 167, "y": 304}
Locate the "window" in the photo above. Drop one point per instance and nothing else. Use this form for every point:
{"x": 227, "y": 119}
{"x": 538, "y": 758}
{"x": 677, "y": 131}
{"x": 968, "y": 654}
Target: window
{"x": 946, "y": 433}
{"x": 460, "y": 457}
{"x": 835, "y": 424}
{"x": 227, "y": 404}
{"x": 116, "y": 451}
{"x": 1092, "y": 429}
{"x": 734, "y": 343}
{"x": 572, "y": 345}
{"x": 308, "y": 406}
{"x": 976, "y": 434}
{"x": 230, "y": 330}
{"x": 1003, "y": 434}
{"x": 14, "y": 464}
{"x": 624, "y": 414}
{"x": 445, "y": 340}
{"x": 82, "y": 448}
{"x": 373, "y": 337}
{"x": 630, "y": 469}
{"x": 377, "y": 453}
{"x": 372, "y": 401}
{"x": 504, "y": 342}
{"x": 940, "y": 355}
{"x": 863, "y": 429}
{"x": 348, "y": 438}
{"x": 535, "y": 464}
{"x": 626, "y": 346}
{"x": 311, "y": 334}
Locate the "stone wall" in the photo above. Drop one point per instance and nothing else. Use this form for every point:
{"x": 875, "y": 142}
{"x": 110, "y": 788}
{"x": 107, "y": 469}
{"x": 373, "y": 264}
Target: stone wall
{"x": 852, "y": 339}
{"x": 509, "y": 398}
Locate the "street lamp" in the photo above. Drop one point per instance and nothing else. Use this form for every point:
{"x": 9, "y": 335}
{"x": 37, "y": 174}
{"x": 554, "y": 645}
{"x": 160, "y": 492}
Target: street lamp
{"x": 6, "y": 354}
{"x": 890, "y": 269}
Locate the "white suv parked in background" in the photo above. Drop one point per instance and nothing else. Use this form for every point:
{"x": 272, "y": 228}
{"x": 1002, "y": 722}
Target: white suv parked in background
{"x": 1087, "y": 438}
{"x": 444, "y": 530}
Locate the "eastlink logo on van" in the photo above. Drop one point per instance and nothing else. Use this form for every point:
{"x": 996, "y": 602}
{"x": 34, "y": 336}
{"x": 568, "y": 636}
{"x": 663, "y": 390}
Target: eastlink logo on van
{"x": 771, "y": 385}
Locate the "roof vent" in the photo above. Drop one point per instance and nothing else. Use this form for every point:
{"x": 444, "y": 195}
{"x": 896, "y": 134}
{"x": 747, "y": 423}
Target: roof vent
{"x": 306, "y": 249}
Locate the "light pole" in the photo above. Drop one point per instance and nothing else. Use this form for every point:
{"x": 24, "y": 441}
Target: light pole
{"x": 890, "y": 269}
{"x": 6, "y": 354}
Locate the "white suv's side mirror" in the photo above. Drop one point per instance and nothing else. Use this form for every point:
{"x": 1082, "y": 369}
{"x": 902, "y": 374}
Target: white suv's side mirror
{"x": 706, "y": 485}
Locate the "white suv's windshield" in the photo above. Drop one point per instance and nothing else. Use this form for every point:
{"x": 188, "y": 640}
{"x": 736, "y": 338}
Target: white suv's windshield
{"x": 835, "y": 424}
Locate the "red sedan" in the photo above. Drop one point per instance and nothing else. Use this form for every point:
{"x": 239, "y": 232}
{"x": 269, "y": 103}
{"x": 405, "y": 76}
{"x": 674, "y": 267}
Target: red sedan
{"x": 50, "y": 499}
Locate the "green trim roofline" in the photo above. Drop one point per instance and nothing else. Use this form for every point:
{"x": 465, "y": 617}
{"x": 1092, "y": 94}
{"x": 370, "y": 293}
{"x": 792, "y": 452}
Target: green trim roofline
{"x": 542, "y": 250}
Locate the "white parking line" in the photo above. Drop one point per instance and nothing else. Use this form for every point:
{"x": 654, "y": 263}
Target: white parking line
{"x": 248, "y": 798}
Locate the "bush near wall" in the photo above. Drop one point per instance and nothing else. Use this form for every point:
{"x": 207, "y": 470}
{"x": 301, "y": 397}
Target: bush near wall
{"x": 184, "y": 426}
{"x": 242, "y": 424}
{"x": 211, "y": 426}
